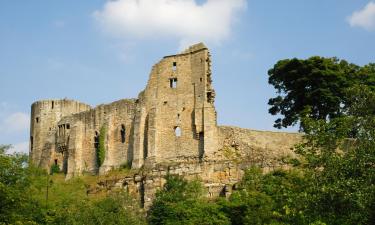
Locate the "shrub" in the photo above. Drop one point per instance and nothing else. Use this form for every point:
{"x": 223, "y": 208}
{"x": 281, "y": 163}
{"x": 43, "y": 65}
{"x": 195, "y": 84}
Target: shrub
{"x": 55, "y": 168}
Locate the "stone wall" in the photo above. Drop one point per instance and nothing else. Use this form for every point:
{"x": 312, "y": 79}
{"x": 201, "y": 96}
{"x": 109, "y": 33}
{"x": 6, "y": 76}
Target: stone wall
{"x": 79, "y": 142}
{"x": 239, "y": 149}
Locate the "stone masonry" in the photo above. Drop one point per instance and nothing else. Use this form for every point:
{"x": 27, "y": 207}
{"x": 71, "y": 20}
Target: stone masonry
{"x": 170, "y": 128}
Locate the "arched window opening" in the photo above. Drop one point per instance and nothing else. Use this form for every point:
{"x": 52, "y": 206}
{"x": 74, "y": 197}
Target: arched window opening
{"x": 55, "y": 162}
{"x": 123, "y": 133}
{"x": 177, "y": 131}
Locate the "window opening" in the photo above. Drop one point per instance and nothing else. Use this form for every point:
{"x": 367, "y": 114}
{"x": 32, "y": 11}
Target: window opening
{"x": 173, "y": 82}
{"x": 68, "y": 126}
{"x": 174, "y": 66}
{"x": 201, "y": 145}
{"x": 177, "y": 131}
{"x": 123, "y": 133}
{"x": 96, "y": 140}
{"x": 31, "y": 143}
{"x": 55, "y": 162}
{"x": 37, "y": 120}
{"x": 53, "y": 104}
{"x": 209, "y": 97}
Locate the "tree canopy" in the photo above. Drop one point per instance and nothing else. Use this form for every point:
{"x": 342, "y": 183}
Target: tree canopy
{"x": 315, "y": 87}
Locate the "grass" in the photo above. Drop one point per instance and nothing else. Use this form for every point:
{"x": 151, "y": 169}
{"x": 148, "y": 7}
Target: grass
{"x": 77, "y": 188}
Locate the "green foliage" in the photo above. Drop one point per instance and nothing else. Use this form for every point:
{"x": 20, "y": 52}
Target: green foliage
{"x": 23, "y": 198}
{"x": 101, "y": 149}
{"x": 314, "y": 87}
{"x": 55, "y": 168}
{"x": 17, "y": 205}
{"x": 117, "y": 208}
{"x": 181, "y": 202}
{"x": 274, "y": 198}
{"x": 340, "y": 157}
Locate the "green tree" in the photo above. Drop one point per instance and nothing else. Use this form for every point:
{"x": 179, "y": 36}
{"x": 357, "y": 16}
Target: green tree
{"x": 17, "y": 205}
{"x": 181, "y": 202}
{"x": 273, "y": 198}
{"x": 340, "y": 157}
{"x": 316, "y": 85}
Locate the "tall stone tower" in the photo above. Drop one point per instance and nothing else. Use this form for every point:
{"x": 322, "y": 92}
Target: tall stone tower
{"x": 45, "y": 115}
{"x": 175, "y": 118}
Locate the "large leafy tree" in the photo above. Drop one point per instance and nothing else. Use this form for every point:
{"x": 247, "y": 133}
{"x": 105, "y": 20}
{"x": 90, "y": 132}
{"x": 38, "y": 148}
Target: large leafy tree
{"x": 16, "y": 203}
{"x": 342, "y": 165}
{"x": 315, "y": 86}
{"x": 273, "y": 198}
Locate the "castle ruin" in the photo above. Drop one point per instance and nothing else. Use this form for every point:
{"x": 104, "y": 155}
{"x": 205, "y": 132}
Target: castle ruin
{"x": 170, "y": 128}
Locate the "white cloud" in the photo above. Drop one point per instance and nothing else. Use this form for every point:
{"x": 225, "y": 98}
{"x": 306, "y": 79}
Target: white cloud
{"x": 186, "y": 20}
{"x": 15, "y": 122}
{"x": 22, "y": 147}
{"x": 364, "y": 18}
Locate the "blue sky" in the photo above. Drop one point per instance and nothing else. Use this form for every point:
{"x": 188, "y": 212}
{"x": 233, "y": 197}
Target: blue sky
{"x": 99, "y": 51}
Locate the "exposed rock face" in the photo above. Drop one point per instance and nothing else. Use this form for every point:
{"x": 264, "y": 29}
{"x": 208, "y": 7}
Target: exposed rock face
{"x": 170, "y": 128}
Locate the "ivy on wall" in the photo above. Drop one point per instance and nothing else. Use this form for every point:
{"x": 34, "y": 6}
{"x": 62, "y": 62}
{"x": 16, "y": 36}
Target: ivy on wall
{"x": 100, "y": 153}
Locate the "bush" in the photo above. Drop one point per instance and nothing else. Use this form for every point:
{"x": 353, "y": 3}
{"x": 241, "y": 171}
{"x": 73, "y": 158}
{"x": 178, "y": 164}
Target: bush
{"x": 55, "y": 168}
{"x": 182, "y": 203}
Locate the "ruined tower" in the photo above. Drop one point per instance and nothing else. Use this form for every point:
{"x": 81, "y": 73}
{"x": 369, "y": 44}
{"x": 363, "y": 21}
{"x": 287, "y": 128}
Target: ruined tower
{"x": 175, "y": 118}
{"x": 45, "y": 115}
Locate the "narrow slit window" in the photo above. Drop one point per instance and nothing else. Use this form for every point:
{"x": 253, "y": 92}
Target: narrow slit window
{"x": 177, "y": 131}
{"x": 96, "y": 140}
{"x": 53, "y": 104}
{"x": 173, "y": 82}
{"x": 31, "y": 143}
{"x": 123, "y": 133}
{"x": 55, "y": 162}
{"x": 174, "y": 66}
{"x": 37, "y": 120}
